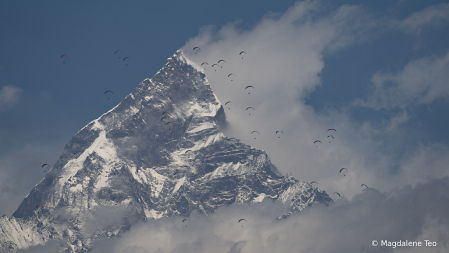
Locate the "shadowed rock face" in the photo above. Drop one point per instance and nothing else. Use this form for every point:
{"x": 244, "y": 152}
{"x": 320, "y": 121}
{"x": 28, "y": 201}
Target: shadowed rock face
{"x": 157, "y": 154}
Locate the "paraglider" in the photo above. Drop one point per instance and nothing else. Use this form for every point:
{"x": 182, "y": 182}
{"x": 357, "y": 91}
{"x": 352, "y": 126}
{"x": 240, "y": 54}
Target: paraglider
{"x": 215, "y": 65}
{"x": 125, "y": 59}
{"x": 317, "y": 142}
{"x": 186, "y": 220}
{"x": 165, "y": 112}
{"x": 243, "y": 52}
{"x": 187, "y": 151}
{"x": 169, "y": 123}
{"x": 204, "y": 63}
{"x": 118, "y": 51}
{"x": 255, "y": 132}
{"x": 279, "y": 131}
{"x": 221, "y": 61}
{"x": 231, "y": 75}
{"x": 229, "y": 102}
{"x": 250, "y": 108}
{"x": 313, "y": 182}
{"x": 331, "y": 129}
{"x": 164, "y": 117}
{"x": 65, "y": 56}
{"x": 197, "y": 49}
{"x": 249, "y": 86}
{"x": 365, "y": 186}
{"x": 338, "y": 194}
{"x": 108, "y": 91}
{"x": 343, "y": 169}
{"x": 241, "y": 220}
{"x": 40, "y": 206}
{"x": 45, "y": 164}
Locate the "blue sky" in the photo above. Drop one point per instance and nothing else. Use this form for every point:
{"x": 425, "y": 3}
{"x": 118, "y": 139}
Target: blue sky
{"x": 375, "y": 71}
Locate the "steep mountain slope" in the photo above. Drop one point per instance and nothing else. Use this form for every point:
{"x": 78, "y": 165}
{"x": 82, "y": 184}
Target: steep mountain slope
{"x": 157, "y": 154}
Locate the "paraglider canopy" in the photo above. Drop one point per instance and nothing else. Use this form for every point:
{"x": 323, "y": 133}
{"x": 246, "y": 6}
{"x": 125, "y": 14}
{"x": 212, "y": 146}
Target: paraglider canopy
{"x": 45, "y": 164}
{"x": 229, "y": 102}
{"x": 197, "y": 49}
{"x": 65, "y": 56}
{"x": 241, "y": 220}
{"x": 313, "y": 182}
{"x": 255, "y": 132}
{"x": 108, "y": 91}
{"x": 279, "y": 131}
{"x": 118, "y": 51}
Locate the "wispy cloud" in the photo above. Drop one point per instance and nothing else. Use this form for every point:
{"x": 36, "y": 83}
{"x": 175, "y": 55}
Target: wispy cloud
{"x": 432, "y": 16}
{"x": 9, "y": 95}
{"x": 420, "y": 82}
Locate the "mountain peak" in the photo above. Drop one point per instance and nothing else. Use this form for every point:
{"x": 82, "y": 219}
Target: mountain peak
{"x": 156, "y": 154}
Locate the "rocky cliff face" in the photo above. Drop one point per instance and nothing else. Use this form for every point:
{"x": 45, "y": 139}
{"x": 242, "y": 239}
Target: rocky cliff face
{"x": 157, "y": 154}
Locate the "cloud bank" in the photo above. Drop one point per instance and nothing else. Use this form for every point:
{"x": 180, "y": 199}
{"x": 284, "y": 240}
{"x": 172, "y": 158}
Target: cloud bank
{"x": 411, "y": 213}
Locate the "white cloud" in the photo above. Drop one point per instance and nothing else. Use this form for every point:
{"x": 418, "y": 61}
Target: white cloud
{"x": 9, "y": 95}
{"x": 419, "y": 213}
{"x": 431, "y": 16}
{"x": 421, "y": 82}
{"x": 284, "y": 61}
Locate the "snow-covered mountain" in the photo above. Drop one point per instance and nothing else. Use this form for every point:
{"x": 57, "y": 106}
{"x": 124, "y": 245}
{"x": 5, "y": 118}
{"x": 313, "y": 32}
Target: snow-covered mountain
{"x": 158, "y": 153}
